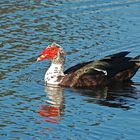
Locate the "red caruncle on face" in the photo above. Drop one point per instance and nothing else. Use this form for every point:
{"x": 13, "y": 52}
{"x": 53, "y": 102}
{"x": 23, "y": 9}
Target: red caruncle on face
{"x": 49, "y": 53}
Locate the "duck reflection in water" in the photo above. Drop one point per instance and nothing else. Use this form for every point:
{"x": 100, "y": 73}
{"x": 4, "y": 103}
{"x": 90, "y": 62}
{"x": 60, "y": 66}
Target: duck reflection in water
{"x": 112, "y": 96}
{"x": 53, "y": 108}
{"x": 117, "y": 95}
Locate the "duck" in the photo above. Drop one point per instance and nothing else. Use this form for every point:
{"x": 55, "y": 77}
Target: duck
{"x": 115, "y": 68}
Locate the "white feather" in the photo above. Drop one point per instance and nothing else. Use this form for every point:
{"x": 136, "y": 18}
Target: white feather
{"x": 52, "y": 74}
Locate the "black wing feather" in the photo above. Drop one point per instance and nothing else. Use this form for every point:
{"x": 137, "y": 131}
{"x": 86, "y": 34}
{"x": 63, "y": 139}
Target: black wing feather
{"x": 111, "y": 63}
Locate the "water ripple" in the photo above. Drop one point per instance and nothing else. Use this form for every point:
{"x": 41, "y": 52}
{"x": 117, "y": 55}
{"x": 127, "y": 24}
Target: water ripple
{"x": 87, "y": 30}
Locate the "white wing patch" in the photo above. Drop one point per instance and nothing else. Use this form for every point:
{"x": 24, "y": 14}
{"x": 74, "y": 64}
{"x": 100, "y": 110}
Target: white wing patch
{"x": 104, "y": 71}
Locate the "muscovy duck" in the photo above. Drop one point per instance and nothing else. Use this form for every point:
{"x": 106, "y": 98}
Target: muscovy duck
{"x": 112, "y": 68}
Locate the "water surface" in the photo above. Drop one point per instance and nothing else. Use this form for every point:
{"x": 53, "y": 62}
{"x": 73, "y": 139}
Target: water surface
{"x": 87, "y": 29}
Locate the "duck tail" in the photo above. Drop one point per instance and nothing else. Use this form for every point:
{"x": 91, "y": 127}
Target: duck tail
{"x": 136, "y": 60}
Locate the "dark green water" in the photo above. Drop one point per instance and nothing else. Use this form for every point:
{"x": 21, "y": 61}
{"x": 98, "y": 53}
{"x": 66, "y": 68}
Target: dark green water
{"x": 87, "y": 29}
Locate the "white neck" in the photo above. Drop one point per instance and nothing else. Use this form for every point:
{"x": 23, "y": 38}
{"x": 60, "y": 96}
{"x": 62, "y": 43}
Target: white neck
{"x": 54, "y": 73}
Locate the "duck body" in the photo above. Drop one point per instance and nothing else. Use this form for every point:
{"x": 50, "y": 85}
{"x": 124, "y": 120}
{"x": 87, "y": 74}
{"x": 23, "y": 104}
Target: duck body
{"x": 109, "y": 70}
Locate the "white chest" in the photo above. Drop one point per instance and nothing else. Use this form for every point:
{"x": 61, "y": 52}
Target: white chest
{"x": 53, "y": 73}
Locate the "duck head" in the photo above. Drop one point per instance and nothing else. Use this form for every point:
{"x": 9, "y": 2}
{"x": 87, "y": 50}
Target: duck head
{"x": 54, "y": 53}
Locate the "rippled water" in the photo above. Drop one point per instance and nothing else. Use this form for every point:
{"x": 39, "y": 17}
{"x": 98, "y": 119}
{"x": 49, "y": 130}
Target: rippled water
{"x": 87, "y": 29}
